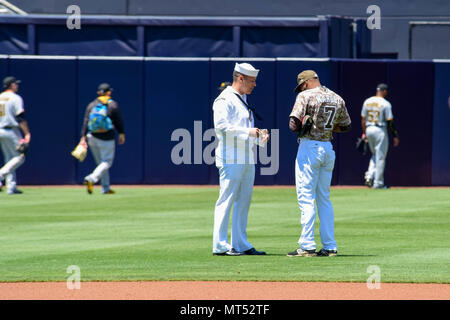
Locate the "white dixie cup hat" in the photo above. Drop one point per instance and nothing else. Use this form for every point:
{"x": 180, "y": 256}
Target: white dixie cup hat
{"x": 246, "y": 69}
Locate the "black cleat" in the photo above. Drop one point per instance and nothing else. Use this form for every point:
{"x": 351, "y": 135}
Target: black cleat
{"x": 15, "y": 191}
{"x": 327, "y": 253}
{"x": 302, "y": 253}
{"x": 382, "y": 187}
{"x": 219, "y": 253}
{"x": 254, "y": 252}
{"x": 369, "y": 183}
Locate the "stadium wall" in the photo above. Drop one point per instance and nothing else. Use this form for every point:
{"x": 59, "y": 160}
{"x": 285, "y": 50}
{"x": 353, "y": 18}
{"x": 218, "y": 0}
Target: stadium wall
{"x": 183, "y": 36}
{"x": 159, "y": 95}
{"x": 395, "y": 38}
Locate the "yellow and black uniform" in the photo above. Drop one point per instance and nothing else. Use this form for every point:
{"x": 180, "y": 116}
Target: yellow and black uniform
{"x": 113, "y": 113}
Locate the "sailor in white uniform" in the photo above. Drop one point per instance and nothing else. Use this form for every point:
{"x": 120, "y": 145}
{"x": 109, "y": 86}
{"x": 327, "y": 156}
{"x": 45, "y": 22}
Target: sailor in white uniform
{"x": 234, "y": 126}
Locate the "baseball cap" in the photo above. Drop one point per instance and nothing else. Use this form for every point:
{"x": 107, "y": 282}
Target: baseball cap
{"x": 382, "y": 86}
{"x": 246, "y": 69}
{"x": 9, "y": 81}
{"x": 104, "y": 87}
{"x": 304, "y": 76}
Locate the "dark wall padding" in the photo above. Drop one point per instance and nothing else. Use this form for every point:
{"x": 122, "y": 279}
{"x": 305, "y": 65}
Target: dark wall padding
{"x": 357, "y": 81}
{"x": 280, "y": 42}
{"x": 189, "y": 42}
{"x": 89, "y": 40}
{"x": 441, "y": 127}
{"x": 13, "y": 39}
{"x": 412, "y": 103}
{"x": 4, "y": 63}
{"x": 49, "y": 90}
{"x": 176, "y": 96}
{"x": 176, "y": 36}
{"x": 126, "y": 79}
{"x": 158, "y": 96}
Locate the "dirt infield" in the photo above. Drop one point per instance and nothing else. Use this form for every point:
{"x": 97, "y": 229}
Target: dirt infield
{"x": 222, "y": 290}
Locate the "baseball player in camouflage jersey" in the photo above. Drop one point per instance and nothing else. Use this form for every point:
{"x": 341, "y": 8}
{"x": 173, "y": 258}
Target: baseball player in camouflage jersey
{"x": 12, "y": 121}
{"x": 376, "y": 120}
{"x": 315, "y": 159}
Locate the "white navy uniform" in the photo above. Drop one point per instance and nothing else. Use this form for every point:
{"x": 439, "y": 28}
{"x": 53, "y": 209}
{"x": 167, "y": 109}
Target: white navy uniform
{"x": 377, "y": 111}
{"x": 234, "y": 159}
{"x": 11, "y": 105}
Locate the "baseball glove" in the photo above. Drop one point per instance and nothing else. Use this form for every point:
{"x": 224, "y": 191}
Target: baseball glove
{"x": 307, "y": 123}
{"x": 79, "y": 152}
{"x": 22, "y": 147}
{"x": 361, "y": 145}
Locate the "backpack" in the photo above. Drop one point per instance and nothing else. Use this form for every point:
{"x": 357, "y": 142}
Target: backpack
{"x": 98, "y": 118}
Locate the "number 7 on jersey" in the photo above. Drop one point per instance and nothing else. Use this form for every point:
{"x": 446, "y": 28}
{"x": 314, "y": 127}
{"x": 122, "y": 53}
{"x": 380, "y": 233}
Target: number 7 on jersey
{"x": 331, "y": 113}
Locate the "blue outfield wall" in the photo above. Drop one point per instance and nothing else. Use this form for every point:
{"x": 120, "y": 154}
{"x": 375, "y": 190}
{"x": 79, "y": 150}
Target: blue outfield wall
{"x": 49, "y": 89}
{"x": 157, "y": 96}
{"x": 125, "y": 75}
{"x": 176, "y": 96}
{"x": 441, "y": 127}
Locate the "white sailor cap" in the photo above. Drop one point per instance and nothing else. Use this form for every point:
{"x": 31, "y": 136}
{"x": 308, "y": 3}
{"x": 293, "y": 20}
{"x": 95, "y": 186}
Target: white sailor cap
{"x": 246, "y": 69}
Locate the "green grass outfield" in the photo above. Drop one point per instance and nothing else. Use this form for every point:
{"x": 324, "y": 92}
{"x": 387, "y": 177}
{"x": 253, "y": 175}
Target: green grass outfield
{"x": 166, "y": 234}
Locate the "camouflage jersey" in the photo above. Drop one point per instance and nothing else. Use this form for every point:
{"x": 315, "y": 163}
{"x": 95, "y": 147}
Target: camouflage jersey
{"x": 326, "y": 108}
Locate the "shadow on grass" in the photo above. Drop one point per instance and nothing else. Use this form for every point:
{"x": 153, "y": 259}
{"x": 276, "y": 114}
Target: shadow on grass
{"x": 339, "y": 255}
{"x": 285, "y": 255}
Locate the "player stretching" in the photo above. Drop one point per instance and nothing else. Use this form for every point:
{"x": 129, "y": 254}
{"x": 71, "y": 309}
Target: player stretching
{"x": 315, "y": 159}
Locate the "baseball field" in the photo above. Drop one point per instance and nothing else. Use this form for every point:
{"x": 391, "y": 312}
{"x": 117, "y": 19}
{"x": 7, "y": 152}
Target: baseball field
{"x": 164, "y": 233}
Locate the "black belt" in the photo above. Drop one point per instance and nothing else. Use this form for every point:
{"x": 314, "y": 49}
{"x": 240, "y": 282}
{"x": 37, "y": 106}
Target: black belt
{"x": 8, "y": 128}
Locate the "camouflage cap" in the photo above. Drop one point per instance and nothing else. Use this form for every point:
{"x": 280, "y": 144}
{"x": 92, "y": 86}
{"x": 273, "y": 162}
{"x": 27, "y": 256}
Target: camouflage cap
{"x": 304, "y": 76}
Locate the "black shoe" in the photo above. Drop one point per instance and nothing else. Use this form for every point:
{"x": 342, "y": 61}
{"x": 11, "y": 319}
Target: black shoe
{"x": 15, "y": 191}
{"x": 382, "y": 187}
{"x": 233, "y": 252}
{"x": 302, "y": 253}
{"x": 254, "y": 252}
{"x": 219, "y": 253}
{"x": 327, "y": 253}
{"x": 369, "y": 183}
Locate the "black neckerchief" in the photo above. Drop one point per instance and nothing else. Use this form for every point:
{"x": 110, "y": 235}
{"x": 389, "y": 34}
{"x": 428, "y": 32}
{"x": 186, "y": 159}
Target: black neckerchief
{"x": 250, "y": 108}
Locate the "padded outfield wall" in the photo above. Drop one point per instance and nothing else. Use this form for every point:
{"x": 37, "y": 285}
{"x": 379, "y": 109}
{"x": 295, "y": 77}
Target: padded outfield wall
{"x": 159, "y": 95}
